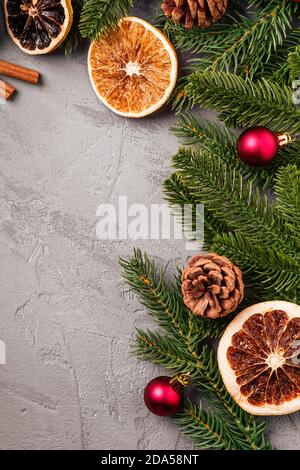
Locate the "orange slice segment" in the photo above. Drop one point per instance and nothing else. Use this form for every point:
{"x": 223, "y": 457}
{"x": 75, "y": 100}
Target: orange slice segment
{"x": 38, "y": 26}
{"x": 259, "y": 358}
{"x": 133, "y": 69}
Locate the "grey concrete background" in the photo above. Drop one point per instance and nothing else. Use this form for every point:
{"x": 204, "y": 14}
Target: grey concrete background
{"x": 66, "y": 316}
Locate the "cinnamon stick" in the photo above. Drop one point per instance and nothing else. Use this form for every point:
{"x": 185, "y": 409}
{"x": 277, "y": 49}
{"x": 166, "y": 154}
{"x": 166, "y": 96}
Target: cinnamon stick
{"x": 16, "y": 71}
{"x": 6, "y": 90}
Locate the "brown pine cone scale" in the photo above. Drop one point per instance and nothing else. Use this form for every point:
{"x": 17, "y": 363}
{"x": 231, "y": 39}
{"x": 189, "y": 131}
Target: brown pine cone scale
{"x": 192, "y": 13}
{"x": 212, "y": 286}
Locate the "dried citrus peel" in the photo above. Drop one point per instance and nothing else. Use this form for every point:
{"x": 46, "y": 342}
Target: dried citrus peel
{"x": 38, "y": 26}
{"x": 259, "y": 358}
{"x": 133, "y": 69}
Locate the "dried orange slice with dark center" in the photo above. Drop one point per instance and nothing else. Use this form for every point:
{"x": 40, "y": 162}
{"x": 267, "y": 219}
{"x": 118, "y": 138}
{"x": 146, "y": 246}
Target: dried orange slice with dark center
{"x": 133, "y": 68}
{"x": 259, "y": 358}
{"x": 38, "y": 26}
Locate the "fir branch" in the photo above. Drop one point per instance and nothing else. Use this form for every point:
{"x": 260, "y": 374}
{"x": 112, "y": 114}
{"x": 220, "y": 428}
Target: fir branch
{"x": 240, "y": 45}
{"x": 288, "y": 199}
{"x": 98, "y": 16}
{"x": 232, "y": 200}
{"x": 205, "y": 428}
{"x": 179, "y": 97}
{"x": 211, "y": 387}
{"x": 294, "y": 64}
{"x": 141, "y": 276}
{"x": 165, "y": 304}
{"x": 202, "y": 41}
{"x": 258, "y": 41}
{"x": 221, "y": 141}
{"x": 277, "y": 69}
{"x": 263, "y": 269}
{"x": 271, "y": 273}
{"x": 74, "y": 36}
{"x": 163, "y": 351}
{"x": 177, "y": 194}
{"x": 289, "y": 154}
{"x": 243, "y": 102}
{"x": 245, "y": 431}
{"x": 192, "y": 130}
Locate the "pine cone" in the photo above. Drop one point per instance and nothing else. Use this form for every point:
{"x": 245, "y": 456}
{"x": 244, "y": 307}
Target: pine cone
{"x": 212, "y": 286}
{"x": 200, "y": 13}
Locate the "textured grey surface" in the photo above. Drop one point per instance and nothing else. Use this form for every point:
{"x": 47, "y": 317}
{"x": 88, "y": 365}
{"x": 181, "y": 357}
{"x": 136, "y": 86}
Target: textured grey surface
{"x": 66, "y": 317}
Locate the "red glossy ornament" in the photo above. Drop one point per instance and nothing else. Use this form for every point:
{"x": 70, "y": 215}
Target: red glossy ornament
{"x": 161, "y": 397}
{"x": 258, "y": 146}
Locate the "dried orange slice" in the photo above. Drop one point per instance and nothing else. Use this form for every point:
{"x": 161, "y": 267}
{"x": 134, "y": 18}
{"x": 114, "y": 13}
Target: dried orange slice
{"x": 259, "y": 358}
{"x": 133, "y": 68}
{"x": 38, "y": 26}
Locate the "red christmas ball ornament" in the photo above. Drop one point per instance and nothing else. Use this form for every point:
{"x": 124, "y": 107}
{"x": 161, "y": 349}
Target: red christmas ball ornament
{"x": 163, "y": 395}
{"x": 258, "y": 146}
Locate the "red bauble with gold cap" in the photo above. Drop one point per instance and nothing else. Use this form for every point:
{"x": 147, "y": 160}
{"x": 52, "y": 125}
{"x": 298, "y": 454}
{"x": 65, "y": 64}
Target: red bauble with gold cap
{"x": 163, "y": 395}
{"x": 258, "y": 145}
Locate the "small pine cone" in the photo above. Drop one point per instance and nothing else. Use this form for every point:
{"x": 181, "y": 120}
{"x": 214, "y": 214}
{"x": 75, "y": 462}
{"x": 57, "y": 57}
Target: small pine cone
{"x": 192, "y": 13}
{"x": 212, "y": 286}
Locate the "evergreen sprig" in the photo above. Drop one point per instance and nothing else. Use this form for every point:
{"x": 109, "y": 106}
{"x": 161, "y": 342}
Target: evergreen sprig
{"x": 98, "y": 16}
{"x": 293, "y": 64}
{"x": 202, "y": 41}
{"x": 287, "y": 190}
{"x": 265, "y": 270}
{"x": 183, "y": 348}
{"x": 205, "y": 428}
{"x": 239, "y": 44}
{"x": 257, "y": 41}
{"x": 243, "y": 102}
{"x": 165, "y": 303}
{"x": 241, "y": 222}
{"x": 74, "y": 36}
{"x": 178, "y": 194}
{"x": 218, "y": 140}
{"x": 233, "y": 200}
{"x": 277, "y": 69}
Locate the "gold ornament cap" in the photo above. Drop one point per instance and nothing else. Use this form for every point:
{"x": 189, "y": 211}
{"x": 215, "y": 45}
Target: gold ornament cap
{"x": 180, "y": 381}
{"x": 284, "y": 139}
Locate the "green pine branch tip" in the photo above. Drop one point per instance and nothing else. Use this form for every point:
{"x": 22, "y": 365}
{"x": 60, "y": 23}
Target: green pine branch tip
{"x": 98, "y": 16}
{"x": 181, "y": 346}
{"x": 243, "y": 102}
